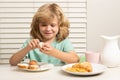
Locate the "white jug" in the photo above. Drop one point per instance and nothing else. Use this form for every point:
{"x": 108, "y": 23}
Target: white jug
{"x": 110, "y": 55}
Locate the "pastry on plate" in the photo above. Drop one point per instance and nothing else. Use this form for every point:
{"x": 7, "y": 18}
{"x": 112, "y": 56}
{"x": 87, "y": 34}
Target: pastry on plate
{"x": 33, "y": 62}
{"x": 33, "y": 65}
{"x": 87, "y": 66}
{"x": 81, "y": 67}
{"x": 23, "y": 66}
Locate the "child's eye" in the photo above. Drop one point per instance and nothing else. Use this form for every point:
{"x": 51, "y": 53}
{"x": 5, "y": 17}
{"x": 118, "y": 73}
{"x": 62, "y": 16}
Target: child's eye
{"x": 53, "y": 25}
{"x": 44, "y": 24}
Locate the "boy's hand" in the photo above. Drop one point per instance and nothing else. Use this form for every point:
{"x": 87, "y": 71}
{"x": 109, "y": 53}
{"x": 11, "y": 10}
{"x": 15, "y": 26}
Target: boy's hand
{"x": 47, "y": 49}
{"x": 34, "y": 43}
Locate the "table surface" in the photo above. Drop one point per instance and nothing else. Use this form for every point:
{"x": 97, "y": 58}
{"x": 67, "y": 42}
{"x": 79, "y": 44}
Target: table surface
{"x": 8, "y": 72}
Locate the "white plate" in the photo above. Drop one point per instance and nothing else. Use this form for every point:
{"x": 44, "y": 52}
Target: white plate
{"x": 41, "y": 68}
{"x": 97, "y": 69}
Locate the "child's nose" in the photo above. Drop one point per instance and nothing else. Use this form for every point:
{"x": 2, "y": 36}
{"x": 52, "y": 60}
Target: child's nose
{"x": 48, "y": 27}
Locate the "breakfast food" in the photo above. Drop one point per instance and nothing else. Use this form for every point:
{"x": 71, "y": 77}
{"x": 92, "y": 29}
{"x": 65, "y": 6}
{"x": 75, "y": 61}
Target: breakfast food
{"x": 41, "y": 44}
{"x": 33, "y": 62}
{"x": 81, "y": 67}
{"x": 33, "y": 65}
{"x": 23, "y": 66}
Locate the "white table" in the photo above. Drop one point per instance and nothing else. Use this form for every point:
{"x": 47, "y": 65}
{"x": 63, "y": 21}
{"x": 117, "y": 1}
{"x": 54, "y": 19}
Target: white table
{"x": 8, "y": 72}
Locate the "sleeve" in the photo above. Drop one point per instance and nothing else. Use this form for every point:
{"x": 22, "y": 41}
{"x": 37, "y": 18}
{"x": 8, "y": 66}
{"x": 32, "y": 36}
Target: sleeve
{"x": 25, "y": 43}
{"x": 68, "y": 46}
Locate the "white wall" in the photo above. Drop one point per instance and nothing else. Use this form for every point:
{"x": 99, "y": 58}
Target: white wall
{"x": 103, "y": 17}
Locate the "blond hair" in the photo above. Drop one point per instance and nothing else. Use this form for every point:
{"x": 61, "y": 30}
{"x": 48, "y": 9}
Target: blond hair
{"x": 46, "y": 13}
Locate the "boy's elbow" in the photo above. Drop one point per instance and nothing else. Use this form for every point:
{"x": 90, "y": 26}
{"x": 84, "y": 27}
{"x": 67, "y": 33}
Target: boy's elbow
{"x": 12, "y": 63}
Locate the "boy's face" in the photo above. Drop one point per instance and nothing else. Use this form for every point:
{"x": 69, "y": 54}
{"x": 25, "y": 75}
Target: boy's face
{"x": 49, "y": 30}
